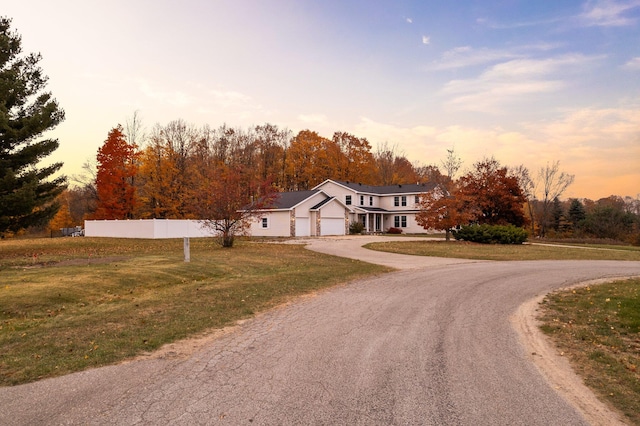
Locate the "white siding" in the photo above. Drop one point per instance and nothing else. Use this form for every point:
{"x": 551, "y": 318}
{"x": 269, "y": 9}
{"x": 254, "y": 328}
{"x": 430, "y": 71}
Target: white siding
{"x": 146, "y": 228}
{"x": 278, "y": 225}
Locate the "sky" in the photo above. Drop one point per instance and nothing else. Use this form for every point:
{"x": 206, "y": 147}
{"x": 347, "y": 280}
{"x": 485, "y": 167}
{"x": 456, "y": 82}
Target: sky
{"x": 527, "y": 82}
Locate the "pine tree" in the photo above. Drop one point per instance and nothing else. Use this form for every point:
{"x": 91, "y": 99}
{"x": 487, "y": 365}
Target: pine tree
{"x": 27, "y": 193}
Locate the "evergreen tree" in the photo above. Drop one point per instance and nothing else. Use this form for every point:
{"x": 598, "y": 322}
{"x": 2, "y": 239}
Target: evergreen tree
{"x": 27, "y": 193}
{"x": 577, "y": 213}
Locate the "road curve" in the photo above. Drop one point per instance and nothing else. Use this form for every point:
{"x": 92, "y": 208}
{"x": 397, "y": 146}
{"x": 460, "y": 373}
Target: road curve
{"x": 430, "y": 345}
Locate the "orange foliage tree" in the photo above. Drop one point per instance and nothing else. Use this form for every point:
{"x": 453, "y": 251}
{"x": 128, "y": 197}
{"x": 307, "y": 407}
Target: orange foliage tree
{"x": 310, "y": 160}
{"x": 115, "y": 177}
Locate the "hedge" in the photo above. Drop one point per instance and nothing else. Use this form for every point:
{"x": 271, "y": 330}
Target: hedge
{"x": 491, "y": 234}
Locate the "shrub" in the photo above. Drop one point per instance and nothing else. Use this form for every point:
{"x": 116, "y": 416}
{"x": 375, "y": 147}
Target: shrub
{"x": 491, "y": 234}
{"x": 394, "y": 231}
{"x": 356, "y": 227}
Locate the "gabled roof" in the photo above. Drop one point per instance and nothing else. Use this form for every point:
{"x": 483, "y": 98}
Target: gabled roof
{"x": 411, "y": 188}
{"x": 322, "y": 203}
{"x": 288, "y": 200}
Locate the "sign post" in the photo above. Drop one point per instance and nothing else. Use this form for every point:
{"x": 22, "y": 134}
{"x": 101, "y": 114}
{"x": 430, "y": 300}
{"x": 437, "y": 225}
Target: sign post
{"x": 187, "y": 250}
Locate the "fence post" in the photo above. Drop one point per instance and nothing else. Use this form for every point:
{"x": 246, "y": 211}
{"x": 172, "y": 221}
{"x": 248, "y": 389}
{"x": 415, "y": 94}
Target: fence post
{"x": 187, "y": 250}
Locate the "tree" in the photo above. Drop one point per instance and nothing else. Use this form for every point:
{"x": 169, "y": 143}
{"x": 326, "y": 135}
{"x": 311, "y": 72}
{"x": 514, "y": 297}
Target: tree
{"x": 452, "y": 164}
{"x": 27, "y": 193}
{"x": 228, "y": 200}
{"x": 358, "y": 164}
{"x": 444, "y": 211}
{"x": 114, "y": 178}
{"x": 310, "y": 160}
{"x": 496, "y": 194}
{"x": 577, "y": 214}
{"x": 553, "y": 183}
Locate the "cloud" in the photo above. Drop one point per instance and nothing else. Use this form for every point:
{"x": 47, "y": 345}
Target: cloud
{"x": 228, "y": 98}
{"x": 633, "y": 64}
{"x": 175, "y": 98}
{"x": 318, "y": 119}
{"x": 426, "y": 39}
{"x": 510, "y": 81}
{"x": 466, "y": 56}
{"x": 409, "y": 20}
{"x": 599, "y": 146}
{"x": 608, "y": 13}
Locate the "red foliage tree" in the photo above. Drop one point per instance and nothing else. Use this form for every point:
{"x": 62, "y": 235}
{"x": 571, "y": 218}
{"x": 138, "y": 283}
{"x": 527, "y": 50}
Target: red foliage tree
{"x": 442, "y": 211}
{"x": 497, "y": 194}
{"x": 115, "y": 177}
{"x": 229, "y": 198}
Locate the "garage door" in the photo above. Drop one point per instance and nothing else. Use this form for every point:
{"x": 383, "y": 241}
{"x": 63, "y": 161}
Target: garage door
{"x": 331, "y": 226}
{"x": 302, "y": 227}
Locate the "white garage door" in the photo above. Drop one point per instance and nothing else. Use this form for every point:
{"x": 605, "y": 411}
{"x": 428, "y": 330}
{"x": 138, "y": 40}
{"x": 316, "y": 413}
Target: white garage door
{"x": 302, "y": 227}
{"x": 331, "y": 226}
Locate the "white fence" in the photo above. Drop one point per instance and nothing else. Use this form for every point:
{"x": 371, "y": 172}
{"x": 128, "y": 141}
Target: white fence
{"x": 145, "y": 228}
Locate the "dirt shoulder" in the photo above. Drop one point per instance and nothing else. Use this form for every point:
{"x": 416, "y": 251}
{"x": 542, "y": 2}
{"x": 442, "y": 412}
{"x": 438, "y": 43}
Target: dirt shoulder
{"x": 556, "y": 368}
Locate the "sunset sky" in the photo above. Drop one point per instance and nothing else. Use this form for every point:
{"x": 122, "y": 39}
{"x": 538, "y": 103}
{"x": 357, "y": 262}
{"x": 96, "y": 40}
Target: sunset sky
{"x": 528, "y": 82}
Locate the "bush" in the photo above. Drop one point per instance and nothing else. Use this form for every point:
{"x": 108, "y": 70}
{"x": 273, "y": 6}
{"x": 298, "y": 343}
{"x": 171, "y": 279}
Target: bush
{"x": 356, "y": 227}
{"x": 394, "y": 231}
{"x": 491, "y": 234}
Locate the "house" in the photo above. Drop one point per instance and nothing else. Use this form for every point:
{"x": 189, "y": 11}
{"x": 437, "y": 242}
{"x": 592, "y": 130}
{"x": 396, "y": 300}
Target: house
{"x": 303, "y": 214}
{"x": 331, "y": 206}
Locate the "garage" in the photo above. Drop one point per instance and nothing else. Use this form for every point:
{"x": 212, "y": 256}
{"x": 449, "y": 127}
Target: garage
{"x": 332, "y": 226}
{"x": 302, "y": 227}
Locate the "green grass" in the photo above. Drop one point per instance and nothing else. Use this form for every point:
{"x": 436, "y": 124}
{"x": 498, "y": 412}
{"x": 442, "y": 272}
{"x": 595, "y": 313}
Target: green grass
{"x": 598, "y": 329}
{"x": 466, "y": 250}
{"x": 75, "y": 303}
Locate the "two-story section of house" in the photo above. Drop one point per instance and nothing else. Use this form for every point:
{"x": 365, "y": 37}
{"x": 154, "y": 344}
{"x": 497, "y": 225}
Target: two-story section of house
{"x": 380, "y": 207}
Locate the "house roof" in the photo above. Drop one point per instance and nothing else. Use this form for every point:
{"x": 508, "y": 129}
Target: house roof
{"x": 411, "y": 188}
{"x": 322, "y": 203}
{"x": 288, "y": 200}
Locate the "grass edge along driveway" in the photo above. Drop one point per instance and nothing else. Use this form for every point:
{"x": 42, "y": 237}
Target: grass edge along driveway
{"x": 72, "y": 304}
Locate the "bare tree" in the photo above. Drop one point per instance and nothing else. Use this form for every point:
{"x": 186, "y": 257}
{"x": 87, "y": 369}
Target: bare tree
{"x": 452, "y": 163}
{"x": 528, "y": 187}
{"x": 552, "y": 182}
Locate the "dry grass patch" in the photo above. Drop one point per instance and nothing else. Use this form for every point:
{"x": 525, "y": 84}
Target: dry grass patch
{"x": 71, "y": 304}
{"x": 598, "y": 329}
{"x": 466, "y": 250}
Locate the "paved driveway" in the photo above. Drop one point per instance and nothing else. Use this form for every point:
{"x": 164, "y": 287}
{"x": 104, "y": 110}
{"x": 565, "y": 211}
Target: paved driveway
{"x": 430, "y": 345}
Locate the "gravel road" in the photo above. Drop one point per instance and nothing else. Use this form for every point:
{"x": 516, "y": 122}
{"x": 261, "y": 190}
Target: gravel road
{"x": 431, "y": 344}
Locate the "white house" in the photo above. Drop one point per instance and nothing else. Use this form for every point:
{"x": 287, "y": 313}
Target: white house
{"x": 330, "y": 207}
{"x": 303, "y": 214}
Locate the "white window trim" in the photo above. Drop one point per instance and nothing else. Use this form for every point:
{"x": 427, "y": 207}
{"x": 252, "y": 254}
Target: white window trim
{"x": 263, "y": 221}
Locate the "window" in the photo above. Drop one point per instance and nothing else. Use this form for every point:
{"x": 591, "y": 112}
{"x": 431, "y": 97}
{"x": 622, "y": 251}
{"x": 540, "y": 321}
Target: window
{"x": 396, "y": 202}
{"x": 400, "y": 221}
{"x": 370, "y": 201}
{"x": 404, "y": 200}
{"x": 347, "y": 200}
{"x": 264, "y": 222}
{"x": 362, "y": 200}
{"x": 417, "y": 199}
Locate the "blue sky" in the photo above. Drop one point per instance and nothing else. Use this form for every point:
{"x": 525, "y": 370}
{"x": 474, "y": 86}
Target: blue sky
{"x": 529, "y": 82}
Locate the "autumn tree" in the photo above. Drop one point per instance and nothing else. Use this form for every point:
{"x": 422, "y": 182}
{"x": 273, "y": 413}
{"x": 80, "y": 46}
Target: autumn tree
{"x": 393, "y": 167}
{"x": 116, "y": 161}
{"x": 310, "y": 160}
{"x": 496, "y": 193}
{"x": 27, "y": 192}
{"x": 444, "y": 211}
{"x": 357, "y": 163}
{"x": 63, "y": 218}
{"x": 552, "y": 183}
{"x": 451, "y": 164}
{"x": 229, "y": 199}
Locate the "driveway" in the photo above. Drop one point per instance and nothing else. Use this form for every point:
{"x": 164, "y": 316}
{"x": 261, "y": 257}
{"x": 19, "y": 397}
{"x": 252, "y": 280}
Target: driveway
{"x": 426, "y": 345}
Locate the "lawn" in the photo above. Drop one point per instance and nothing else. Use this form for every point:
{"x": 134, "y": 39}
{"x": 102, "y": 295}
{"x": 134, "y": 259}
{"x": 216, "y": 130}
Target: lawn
{"x": 598, "y": 329}
{"x": 466, "y": 250}
{"x": 75, "y": 303}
